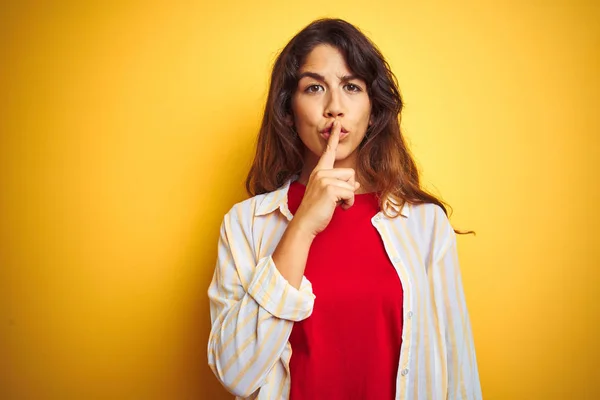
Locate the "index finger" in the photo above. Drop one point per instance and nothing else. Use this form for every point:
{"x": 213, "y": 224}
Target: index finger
{"x": 327, "y": 160}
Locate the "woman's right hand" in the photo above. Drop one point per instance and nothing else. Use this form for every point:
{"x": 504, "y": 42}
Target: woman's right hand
{"x": 327, "y": 187}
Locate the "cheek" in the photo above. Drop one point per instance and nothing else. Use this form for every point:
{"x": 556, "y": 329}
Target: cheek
{"x": 365, "y": 114}
{"x": 360, "y": 106}
{"x": 303, "y": 118}
{"x": 306, "y": 112}
{"x": 367, "y": 108}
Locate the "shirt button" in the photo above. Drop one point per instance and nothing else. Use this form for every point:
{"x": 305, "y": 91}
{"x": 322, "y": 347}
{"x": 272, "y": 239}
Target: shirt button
{"x": 410, "y": 314}
{"x": 404, "y": 372}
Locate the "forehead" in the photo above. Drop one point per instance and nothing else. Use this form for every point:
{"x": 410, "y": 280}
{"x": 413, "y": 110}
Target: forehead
{"x": 325, "y": 60}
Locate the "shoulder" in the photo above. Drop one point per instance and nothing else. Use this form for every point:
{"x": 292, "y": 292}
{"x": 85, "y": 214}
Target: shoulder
{"x": 428, "y": 217}
{"x": 244, "y": 212}
{"x": 428, "y": 227}
{"x": 245, "y": 209}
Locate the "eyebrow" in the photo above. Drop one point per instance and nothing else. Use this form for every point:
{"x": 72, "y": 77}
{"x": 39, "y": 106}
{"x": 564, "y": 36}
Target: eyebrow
{"x": 321, "y": 78}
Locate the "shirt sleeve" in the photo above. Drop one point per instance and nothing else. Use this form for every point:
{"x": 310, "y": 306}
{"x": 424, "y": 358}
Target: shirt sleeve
{"x": 252, "y": 309}
{"x": 451, "y": 307}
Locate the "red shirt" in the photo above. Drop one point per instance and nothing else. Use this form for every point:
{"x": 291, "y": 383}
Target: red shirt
{"x": 349, "y": 347}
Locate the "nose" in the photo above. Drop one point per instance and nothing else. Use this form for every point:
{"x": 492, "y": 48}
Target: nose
{"x": 334, "y": 107}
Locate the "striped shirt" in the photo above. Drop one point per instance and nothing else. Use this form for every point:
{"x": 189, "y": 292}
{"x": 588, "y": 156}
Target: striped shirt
{"x": 253, "y": 307}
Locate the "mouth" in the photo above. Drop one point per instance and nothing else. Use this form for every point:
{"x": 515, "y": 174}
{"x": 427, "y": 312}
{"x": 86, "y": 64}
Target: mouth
{"x": 326, "y": 132}
{"x": 327, "y": 129}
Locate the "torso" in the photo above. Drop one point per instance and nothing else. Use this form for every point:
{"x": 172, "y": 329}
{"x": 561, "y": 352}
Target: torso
{"x": 350, "y": 346}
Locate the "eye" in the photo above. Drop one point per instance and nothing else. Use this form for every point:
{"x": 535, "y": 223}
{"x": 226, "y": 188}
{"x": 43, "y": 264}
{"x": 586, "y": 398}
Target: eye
{"x": 351, "y": 87}
{"x": 313, "y": 89}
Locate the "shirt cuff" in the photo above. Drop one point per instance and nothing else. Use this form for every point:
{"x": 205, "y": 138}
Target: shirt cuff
{"x": 274, "y": 293}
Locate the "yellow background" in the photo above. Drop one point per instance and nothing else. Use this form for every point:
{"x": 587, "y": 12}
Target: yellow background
{"x": 126, "y": 131}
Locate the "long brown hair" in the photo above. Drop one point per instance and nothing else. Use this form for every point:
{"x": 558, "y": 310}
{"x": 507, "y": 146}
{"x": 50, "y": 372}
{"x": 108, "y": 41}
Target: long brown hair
{"x": 384, "y": 159}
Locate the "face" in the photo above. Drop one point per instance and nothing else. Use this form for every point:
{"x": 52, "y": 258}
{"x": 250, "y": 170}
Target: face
{"x": 327, "y": 90}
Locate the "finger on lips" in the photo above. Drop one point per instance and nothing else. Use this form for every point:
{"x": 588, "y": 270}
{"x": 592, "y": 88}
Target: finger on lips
{"x": 327, "y": 160}
{"x": 342, "y": 178}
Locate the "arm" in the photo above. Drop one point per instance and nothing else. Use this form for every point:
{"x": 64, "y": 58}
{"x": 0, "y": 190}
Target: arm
{"x": 451, "y": 307}
{"x": 251, "y": 322}
{"x": 291, "y": 253}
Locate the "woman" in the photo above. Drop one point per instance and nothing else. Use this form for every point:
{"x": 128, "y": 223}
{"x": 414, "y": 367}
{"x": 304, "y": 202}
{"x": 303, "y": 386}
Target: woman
{"x": 339, "y": 278}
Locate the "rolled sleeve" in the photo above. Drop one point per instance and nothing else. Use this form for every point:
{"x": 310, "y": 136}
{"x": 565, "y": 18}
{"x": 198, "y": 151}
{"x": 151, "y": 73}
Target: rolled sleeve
{"x": 275, "y": 294}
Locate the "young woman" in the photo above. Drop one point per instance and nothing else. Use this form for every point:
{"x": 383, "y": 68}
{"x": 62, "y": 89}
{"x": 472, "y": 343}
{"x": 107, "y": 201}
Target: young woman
{"x": 339, "y": 278}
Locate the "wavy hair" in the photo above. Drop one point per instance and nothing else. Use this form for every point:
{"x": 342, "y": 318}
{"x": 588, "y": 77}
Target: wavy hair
{"x": 384, "y": 159}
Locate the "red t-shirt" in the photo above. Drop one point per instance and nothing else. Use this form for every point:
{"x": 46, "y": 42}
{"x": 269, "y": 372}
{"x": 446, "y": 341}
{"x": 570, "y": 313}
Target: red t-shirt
{"x": 349, "y": 347}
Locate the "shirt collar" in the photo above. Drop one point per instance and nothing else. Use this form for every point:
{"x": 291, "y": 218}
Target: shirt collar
{"x": 277, "y": 199}
{"x": 395, "y": 205}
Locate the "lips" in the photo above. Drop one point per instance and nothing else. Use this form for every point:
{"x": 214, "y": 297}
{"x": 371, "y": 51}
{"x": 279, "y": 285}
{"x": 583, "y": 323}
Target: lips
{"x": 325, "y": 135}
{"x": 328, "y": 129}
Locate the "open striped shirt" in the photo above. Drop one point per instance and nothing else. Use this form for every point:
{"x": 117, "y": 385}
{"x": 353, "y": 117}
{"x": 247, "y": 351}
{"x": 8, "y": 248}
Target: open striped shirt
{"x": 253, "y": 307}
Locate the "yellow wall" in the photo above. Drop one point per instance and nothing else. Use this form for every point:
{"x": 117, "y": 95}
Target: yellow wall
{"x": 126, "y": 133}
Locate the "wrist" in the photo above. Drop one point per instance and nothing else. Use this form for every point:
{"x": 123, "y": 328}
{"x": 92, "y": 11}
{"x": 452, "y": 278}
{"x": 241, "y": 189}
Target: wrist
{"x": 299, "y": 231}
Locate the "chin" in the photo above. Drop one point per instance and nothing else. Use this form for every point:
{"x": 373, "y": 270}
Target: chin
{"x": 343, "y": 154}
